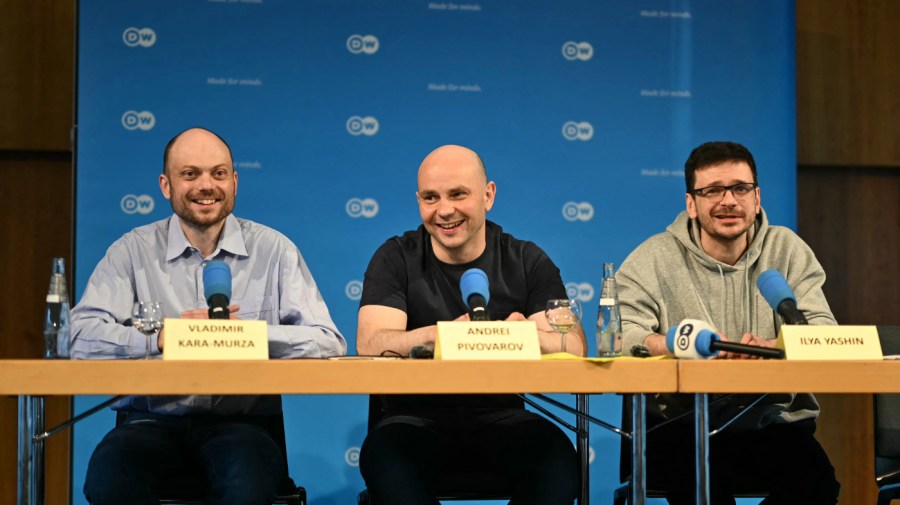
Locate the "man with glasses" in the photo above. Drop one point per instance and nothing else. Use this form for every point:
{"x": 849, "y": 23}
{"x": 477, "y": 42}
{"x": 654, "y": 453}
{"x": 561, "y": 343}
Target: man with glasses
{"x": 705, "y": 266}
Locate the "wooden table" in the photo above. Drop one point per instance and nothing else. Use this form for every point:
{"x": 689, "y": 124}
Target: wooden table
{"x": 784, "y": 376}
{"x": 774, "y": 376}
{"x": 358, "y": 376}
{"x": 31, "y": 380}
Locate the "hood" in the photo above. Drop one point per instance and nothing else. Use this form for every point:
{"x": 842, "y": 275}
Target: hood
{"x": 721, "y": 289}
{"x": 687, "y": 232}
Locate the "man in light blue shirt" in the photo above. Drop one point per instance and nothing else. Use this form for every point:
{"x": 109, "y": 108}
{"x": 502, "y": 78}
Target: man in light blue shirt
{"x": 163, "y": 261}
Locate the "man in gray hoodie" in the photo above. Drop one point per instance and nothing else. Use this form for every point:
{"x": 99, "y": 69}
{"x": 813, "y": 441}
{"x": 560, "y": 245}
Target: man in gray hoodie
{"x": 705, "y": 267}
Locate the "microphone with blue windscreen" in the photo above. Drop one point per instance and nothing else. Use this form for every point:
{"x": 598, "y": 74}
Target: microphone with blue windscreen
{"x": 475, "y": 292}
{"x": 694, "y": 339}
{"x": 780, "y": 297}
{"x": 217, "y": 288}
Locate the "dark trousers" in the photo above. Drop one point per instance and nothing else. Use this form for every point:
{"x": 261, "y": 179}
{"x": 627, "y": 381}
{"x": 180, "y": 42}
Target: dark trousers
{"x": 238, "y": 459}
{"x": 783, "y": 459}
{"x": 402, "y": 456}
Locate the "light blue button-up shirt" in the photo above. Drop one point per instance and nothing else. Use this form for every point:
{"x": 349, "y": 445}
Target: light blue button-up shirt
{"x": 270, "y": 282}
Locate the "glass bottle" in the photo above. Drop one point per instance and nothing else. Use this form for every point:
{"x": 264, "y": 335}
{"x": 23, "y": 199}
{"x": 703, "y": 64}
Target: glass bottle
{"x": 609, "y": 319}
{"x": 56, "y": 319}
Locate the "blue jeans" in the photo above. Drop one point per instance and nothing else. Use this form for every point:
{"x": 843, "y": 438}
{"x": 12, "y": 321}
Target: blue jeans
{"x": 236, "y": 458}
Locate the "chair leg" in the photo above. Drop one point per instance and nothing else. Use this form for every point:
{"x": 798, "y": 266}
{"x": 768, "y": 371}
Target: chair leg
{"x": 622, "y": 494}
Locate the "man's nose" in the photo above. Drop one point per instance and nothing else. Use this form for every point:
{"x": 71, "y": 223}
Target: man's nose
{"x": 728, "y": 198}
{"x": 446, "y": 208}
{"x": 205, "y": 181}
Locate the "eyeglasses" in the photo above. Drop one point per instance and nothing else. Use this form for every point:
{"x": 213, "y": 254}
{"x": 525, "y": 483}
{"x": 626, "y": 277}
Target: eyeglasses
{"x": 738, "y": 190}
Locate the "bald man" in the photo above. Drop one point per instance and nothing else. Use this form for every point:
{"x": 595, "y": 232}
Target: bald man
{"x": 411, "y": 283}
{"x": 224, "y": 437}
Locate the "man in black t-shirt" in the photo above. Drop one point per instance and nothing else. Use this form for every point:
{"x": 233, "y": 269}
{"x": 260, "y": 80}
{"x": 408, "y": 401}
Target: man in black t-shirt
{"x": 411, "y": 283}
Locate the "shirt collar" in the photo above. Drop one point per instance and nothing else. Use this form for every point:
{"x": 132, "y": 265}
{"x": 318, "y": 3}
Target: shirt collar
{"x": 231, "y": 240}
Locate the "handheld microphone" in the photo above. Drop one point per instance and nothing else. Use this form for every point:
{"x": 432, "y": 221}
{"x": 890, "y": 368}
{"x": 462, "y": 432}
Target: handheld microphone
{"x": 217, "y": 288}
{"x": 475, "y": 292}
{"x": 694, "y": 339}
{"x": 776, "y": 291}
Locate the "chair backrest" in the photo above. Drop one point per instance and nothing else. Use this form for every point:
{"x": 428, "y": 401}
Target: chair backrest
{"x": 887, "y": 418}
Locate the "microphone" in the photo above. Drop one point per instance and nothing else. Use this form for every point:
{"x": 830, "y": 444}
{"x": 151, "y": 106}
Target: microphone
{"x": 776, "y": 291}
{"x": 421, "y": 352}
{"x": 217, "y": 288}
{"x": 694, "y": 339}
{"x": 474, "y": 287}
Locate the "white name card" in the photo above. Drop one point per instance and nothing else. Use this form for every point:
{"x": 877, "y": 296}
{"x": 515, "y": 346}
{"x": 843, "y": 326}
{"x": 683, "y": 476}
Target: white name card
{"x": 487, "y": 340}
{"x": 802, "y": 342}
{"x": 215, "y": 339}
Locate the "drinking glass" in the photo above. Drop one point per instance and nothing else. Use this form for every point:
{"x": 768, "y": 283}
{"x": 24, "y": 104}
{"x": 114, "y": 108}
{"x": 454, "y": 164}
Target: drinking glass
{"x": 147, "y": 317}
{"x": 563, "y": 315}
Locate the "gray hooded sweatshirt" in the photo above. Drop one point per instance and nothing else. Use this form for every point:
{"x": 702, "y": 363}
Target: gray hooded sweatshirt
{"x": 669, "y": 278}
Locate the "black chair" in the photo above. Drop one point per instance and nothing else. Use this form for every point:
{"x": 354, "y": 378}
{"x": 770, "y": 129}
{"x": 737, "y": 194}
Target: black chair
{"x": 622, "y": 494}
{"x": 461, "y": 484}
{"x": 191, "y": 489}
{"x": 887, "y": 428}
{"x": 462, "y": 480}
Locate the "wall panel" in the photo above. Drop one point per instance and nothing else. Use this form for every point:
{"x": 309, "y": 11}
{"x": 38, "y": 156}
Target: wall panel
{"x": 37, "y": 54}
{"x": 848, "y": 107}
{"x": 35, "y": 225}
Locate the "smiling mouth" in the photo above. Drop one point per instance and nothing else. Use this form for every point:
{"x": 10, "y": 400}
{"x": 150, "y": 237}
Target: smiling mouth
{"x": 208, "y": 201}
{"x": 449, "y": 226}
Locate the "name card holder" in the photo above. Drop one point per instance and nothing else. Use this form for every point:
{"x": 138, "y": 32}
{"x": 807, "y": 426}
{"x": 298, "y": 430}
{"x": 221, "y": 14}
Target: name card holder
{"x": 487, "y": 340}
{"x": 214, "y": 339}
{"x": 802, "y": 342}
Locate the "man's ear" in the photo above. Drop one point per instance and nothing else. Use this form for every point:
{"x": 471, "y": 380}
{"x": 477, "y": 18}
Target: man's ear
{"x": 490, "y": 191}
{"x": 164, "y": 186}
{"x": 691, "y": 205}
{"x": 758, "y": 201}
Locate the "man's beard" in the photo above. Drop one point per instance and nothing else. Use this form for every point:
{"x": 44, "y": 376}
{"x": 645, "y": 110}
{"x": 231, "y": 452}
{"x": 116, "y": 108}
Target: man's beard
{"x": 709, "y": 225}
{"x": 197, "y": 220}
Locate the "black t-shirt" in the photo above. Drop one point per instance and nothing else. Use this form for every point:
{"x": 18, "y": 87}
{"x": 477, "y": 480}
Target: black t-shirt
{"x": 405, "y": 274}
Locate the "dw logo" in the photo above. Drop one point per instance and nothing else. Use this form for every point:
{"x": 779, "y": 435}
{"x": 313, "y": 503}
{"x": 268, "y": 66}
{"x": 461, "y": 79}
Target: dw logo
{"x": 582, "y": 291}
{"x": 578, "y": 211}
{"x": 362, "y": 126}
{"x": 365, "y": 207}
{"x": 133, "y": 37}
{"x": 132, "y": 204}
{"x": 134, "y": 120}
{"x": 352, "y": 456}
{"x": 577, "y": 51}
{"x": 367, "y": 44}
{"x": 572, "y": 130}
{"x": 353, "y": 290}
{"x": 683, "y": 341}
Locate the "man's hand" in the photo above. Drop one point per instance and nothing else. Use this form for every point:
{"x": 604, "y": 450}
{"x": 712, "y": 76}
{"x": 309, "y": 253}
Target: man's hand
{"x": 204, "y": 313}
{"x": 748, "y": 339}
{"x": 195, "y": 314}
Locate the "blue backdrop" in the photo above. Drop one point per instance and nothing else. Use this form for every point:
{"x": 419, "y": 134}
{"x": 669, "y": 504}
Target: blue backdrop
{"x": 583, "y": 111}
